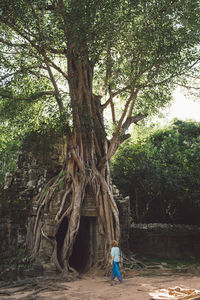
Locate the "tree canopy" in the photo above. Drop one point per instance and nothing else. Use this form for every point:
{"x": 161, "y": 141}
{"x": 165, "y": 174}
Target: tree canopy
{"x": 135, "y": 48}
{"x": 161, "y": 174}
{"x": 73, "y": 62}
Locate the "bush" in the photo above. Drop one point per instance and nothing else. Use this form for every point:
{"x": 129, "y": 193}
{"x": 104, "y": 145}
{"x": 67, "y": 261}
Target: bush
{"x": 161, "y": 173}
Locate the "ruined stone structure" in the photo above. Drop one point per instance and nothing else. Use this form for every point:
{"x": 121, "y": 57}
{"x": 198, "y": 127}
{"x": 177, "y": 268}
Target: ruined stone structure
{"x": 165, "y": 240}
{"x": 42, "y": 158}
{"x": 12, "y": 236}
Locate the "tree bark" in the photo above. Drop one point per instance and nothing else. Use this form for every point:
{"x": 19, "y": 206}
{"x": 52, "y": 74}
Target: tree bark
{"x": 87, "y": 144}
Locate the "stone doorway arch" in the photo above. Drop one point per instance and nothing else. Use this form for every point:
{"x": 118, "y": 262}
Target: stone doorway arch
{"x": 83, "y": 253}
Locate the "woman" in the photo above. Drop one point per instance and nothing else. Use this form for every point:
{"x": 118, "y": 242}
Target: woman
{"x": 116, "y": 259}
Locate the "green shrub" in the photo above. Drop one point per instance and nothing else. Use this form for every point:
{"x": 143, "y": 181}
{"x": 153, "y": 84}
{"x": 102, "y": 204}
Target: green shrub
{"x": 161, "y": 173}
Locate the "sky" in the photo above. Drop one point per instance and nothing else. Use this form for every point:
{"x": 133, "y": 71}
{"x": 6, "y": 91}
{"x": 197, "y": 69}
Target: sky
{"x": 182, "y": 108}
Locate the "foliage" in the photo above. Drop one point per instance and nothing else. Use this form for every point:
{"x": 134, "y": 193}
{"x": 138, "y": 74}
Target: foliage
{"x": 71, "y": 61}
{"x": 136, "y": 56}
{"x": 16, "y": 262}
{"x": 8, "y": 152}
{"x": 161, "y": 174}
{"x": 137, "y": 53}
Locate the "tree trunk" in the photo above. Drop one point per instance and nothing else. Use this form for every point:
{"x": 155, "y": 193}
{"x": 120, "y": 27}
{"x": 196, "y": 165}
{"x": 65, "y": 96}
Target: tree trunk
{"x": 83, "y": 177}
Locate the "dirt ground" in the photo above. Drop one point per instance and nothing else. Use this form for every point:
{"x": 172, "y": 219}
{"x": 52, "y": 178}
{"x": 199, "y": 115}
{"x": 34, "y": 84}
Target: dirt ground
{"x": 135, "y": 286}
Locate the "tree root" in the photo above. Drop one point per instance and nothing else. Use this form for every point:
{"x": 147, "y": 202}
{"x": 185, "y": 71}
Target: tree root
{"x": 130, "y": 262}
{"x": 68, "y": 204}
{"x": 38, "y": 284}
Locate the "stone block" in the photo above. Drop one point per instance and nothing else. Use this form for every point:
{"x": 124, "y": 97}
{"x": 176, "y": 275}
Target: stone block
{"x": 49, "y": 230}
{"x": 165, "y": 240}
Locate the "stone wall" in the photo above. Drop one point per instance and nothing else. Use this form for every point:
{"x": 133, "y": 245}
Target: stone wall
{"x": 165, "y": 240}
{"x": 123, "y": 205}
{"x": 41, "y": 157}
{"x": 12, "y": 236}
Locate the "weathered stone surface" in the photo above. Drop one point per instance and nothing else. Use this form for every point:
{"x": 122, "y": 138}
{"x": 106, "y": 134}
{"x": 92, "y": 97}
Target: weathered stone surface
{"x": 123, "y": 205}
{"x": 40, "y": 159}
{"x": 165, "y": 240}
{"x": 12, "y": 236}
{"x": 89, "y": 207}
{"x": 8, "y": 180}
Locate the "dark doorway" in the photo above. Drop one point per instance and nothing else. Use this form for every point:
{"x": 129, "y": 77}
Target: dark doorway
{"x": 81, "y": 254}
{"x": 60, "y": 235}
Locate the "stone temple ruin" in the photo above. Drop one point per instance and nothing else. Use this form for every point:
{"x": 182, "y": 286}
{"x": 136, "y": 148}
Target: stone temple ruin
{"x": 40, "y": 159}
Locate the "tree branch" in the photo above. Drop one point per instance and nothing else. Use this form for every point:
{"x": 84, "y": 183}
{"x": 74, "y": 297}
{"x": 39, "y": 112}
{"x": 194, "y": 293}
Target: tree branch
{"x": 108, "y": 71}
{"x": 58, "y": 99}
{"x": 187, "y": 86}
{"x": 134, "y": 119}
{"x": 49, "y": 48}
{"x": 103, "y": 106}
{"x": 62, "y": 9}
{"x": 114, "y": 143}
{"x": 7, "y": 43}
{"x": 112, "y": 106}
{"x": 176, "y": 74}
{"x": 127, "y": 123}
{"x": 25, "y": 69}
{"x": 30, "y": 97}
{"x": 40, "y": 51}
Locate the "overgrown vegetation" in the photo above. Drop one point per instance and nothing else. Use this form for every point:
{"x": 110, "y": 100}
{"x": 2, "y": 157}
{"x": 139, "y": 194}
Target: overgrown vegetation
{"x": 161, "y": 173}
{"x": 72, "y": 61}
{"x": 8, "y": 152}
{"x": 13, "y": 266}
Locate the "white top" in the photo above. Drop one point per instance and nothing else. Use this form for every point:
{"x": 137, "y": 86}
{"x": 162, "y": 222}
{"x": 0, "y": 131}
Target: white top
{"x": 115, "y": 252}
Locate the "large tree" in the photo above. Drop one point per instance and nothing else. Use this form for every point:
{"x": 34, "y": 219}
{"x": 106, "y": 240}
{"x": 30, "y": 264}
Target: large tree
{"x": 88, "y": 56}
